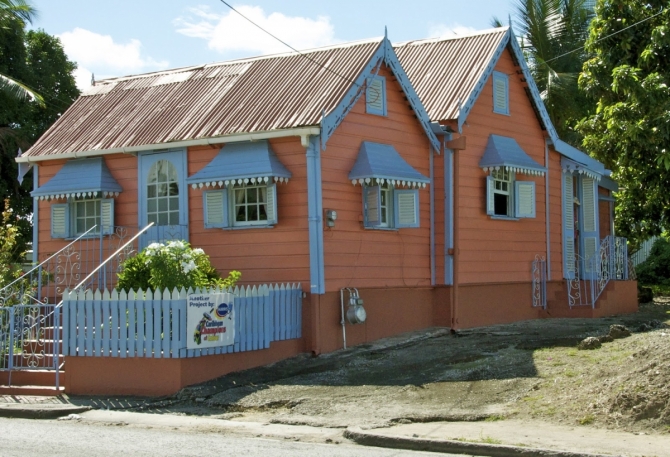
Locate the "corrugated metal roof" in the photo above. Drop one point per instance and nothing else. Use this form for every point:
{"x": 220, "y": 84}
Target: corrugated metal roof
{"x": 242, "y": 96}
{"x": 445, "y": 71}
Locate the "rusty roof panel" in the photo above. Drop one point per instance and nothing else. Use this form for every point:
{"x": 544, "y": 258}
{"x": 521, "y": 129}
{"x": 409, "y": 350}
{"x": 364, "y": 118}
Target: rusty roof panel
{"x": 242, "y": 96}
{"x": 445, "y": 71}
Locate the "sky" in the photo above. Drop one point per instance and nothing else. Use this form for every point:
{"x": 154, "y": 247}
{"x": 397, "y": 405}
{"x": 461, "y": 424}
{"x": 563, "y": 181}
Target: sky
{"x": 124, "y": 37}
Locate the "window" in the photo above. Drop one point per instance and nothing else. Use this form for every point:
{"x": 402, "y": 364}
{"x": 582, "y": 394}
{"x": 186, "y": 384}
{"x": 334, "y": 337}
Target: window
{"x": 76, "y": 217}
{"x": 375, "y": 96}
{"x": 387, "y": 207}
{"x": 163, "y": 194}
{"x": 507, "y": 197}
{"x": 240, "y": 206}
{"x": 500, "y": 93}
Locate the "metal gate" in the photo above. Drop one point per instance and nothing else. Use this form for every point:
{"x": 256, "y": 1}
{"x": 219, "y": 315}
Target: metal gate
{"x": 30, "y": 338}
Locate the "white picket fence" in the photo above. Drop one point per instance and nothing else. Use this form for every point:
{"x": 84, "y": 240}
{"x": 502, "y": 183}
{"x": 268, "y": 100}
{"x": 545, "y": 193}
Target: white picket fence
{"x": 153, "y": 324}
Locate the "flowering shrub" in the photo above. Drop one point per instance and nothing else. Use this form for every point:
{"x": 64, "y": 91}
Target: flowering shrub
{"x": 10, "y": 269}
{"x": 173, "y": 264}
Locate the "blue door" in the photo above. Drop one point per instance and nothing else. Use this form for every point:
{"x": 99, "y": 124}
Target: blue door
{"x": 163, "y": 196}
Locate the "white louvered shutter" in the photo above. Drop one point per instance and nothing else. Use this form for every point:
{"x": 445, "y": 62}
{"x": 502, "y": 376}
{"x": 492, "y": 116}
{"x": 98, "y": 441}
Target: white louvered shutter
{"x": 589, "y": 210}
{"x": 271, "y": 207}
{"x": 375, "y": 96}
{"x": 216, "y": 208}
{"x": 524, "y": 199}
{"x": 490, "y": 196}
{"x": 107, "y": 215}
{"x": 406, "y": 208}
{"x": 568, "y": 228}
{"x": 60, "y": 220}
{"x": 372, "y": 206}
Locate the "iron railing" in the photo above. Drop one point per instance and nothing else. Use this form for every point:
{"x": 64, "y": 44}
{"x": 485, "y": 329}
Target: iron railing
{"x": 591, "y": 275}
{"x": 539, "y": 275}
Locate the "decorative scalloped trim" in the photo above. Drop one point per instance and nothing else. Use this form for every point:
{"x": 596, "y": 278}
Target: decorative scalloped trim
{"x": 238, "y": 182}
{"x": 393, "y": 182}
{"x": 65, "y": 196}
{"x": 522, "y": 170}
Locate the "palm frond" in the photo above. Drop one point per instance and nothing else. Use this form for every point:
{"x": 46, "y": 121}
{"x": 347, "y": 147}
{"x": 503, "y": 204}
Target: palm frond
{"x": 18, "y": 89}
{"x": 17, "y": 9}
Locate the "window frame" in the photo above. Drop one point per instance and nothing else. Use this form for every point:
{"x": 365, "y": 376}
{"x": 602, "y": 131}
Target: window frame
{"x": 105, "y": 213}
{"x": 228, "y": 218}
{"x": 392, "y": 194}
{"x": 514, "y": 193}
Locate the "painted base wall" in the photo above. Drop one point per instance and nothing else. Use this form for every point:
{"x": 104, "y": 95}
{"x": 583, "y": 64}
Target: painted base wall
{"x": 155, "y": 377}
{"x": 390, "y": 311}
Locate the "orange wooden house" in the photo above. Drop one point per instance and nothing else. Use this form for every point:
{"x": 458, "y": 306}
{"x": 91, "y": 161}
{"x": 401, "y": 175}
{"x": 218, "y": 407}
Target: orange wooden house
{"x": 426, "y": 175}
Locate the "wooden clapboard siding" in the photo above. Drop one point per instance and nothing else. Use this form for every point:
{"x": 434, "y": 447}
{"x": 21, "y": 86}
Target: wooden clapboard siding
{"x": 354, "y": 256}
{"x": 499, "y": 250}
{"x": 278, "y": 254}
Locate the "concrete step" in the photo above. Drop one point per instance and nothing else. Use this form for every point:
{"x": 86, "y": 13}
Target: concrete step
{"x": 37, "y": 377}
{"x": 43, "y": 391}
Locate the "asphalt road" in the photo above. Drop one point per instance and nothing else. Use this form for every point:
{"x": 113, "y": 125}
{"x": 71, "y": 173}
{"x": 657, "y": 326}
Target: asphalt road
{"x": 25, "y": 438}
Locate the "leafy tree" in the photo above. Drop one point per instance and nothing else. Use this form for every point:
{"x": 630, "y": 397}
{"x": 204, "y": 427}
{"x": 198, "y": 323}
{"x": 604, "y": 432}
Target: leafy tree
{"x": 11, "y": 12}
{"x": 38, "y": 59}
{"x": 628, "y": 77}
{"x": 553, "y": 34}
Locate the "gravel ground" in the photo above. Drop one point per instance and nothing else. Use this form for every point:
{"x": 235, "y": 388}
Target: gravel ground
{"x": 524, "y": 371}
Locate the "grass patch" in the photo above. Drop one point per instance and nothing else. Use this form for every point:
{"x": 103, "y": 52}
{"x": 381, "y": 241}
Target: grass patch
{"x": 587, "y": 420}
{"x": 494, "y": 418}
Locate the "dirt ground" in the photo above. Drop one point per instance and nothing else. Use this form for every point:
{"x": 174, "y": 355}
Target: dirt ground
{"x": 524, "y": 371}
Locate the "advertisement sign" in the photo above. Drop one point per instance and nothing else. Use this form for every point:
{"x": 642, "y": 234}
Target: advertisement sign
{"x": 210, "y": 320}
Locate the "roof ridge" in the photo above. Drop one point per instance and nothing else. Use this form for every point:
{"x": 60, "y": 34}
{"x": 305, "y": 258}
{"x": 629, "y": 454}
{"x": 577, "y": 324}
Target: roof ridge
{"x": 490, "y": 31}
{"x": 242, "y": 60}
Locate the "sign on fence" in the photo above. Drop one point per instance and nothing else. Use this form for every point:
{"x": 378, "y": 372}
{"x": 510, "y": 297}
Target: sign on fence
{"x": 210, "y": 320}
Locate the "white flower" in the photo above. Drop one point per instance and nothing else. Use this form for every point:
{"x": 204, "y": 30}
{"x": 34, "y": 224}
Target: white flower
{"x": 198, "y": 251}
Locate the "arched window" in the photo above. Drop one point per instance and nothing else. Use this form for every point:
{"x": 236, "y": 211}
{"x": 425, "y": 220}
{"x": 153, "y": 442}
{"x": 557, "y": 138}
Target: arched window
{"x": 163, "y": 194}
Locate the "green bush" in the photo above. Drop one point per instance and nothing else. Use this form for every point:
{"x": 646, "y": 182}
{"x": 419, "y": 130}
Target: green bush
{"x": 656, "y": 269}
{"x": 172, "y": 265}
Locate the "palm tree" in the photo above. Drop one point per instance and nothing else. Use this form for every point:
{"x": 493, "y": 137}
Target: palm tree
{"x": 553, "y": 33}
{"x": 22, "y": 11}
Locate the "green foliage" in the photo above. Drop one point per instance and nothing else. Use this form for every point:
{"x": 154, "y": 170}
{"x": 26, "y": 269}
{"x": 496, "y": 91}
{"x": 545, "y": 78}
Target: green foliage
{"x": 37, "y": 60}
{"x": 655, "y": 271}
{"x": 550, "y": 31}
{"x": 174, "y": 264}
{"x": 9, "y": 255}
{"x": 628, "y": 77}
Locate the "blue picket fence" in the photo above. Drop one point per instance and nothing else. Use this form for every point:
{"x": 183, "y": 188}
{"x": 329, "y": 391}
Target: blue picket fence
{"x": 153, "y": 324}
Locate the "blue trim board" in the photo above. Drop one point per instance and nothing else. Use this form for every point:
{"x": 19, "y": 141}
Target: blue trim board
{"x": 578, "y": 156}
{"x": 315, "y": 220}
{"x": 386, "y": 54}
{"x": 449, "y": 214}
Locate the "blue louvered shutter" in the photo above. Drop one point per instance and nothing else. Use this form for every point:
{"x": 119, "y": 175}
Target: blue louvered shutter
{"x": 568, "y": 227}
{"x": 524, "y": 199}
{"x": 406, "y": 206}
{"x": 60, "y": 220}
{"x": 271, "y": 204}
{"x": 375, "y": 96}
{"x": 590, "y": 233}
{"x": 500, "y": 93}
{"x": 215, "y": 203}
{"x": 107, "y": 215}
{"x": 490, "y": 196}
{"x": 372, "y": 206}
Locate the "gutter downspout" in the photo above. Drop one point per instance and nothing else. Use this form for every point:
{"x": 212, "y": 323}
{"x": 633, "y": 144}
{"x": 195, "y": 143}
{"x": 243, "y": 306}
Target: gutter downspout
{"x": 432, "y": 218}
{"x": 315, "y": 228}
{"x": 546, "y": 207}
{"x": 454, "y": 287}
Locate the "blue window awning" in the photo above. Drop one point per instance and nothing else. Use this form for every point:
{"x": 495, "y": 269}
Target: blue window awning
{"x": 505, "y": 152}
{"x": 571, "y": 166}
{"x": 381, "y": 162}
{"x": 80, "y": 178}
{"x": 241, "y": 163}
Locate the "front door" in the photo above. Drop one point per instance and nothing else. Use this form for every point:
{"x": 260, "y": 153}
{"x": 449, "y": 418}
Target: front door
{"x": 163, "y": 196}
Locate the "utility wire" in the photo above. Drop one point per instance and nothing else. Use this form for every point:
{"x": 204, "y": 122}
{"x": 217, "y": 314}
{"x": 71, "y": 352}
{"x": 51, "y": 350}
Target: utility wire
{"x": 291, "y": 47}
{"x": 604, "y": 38}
